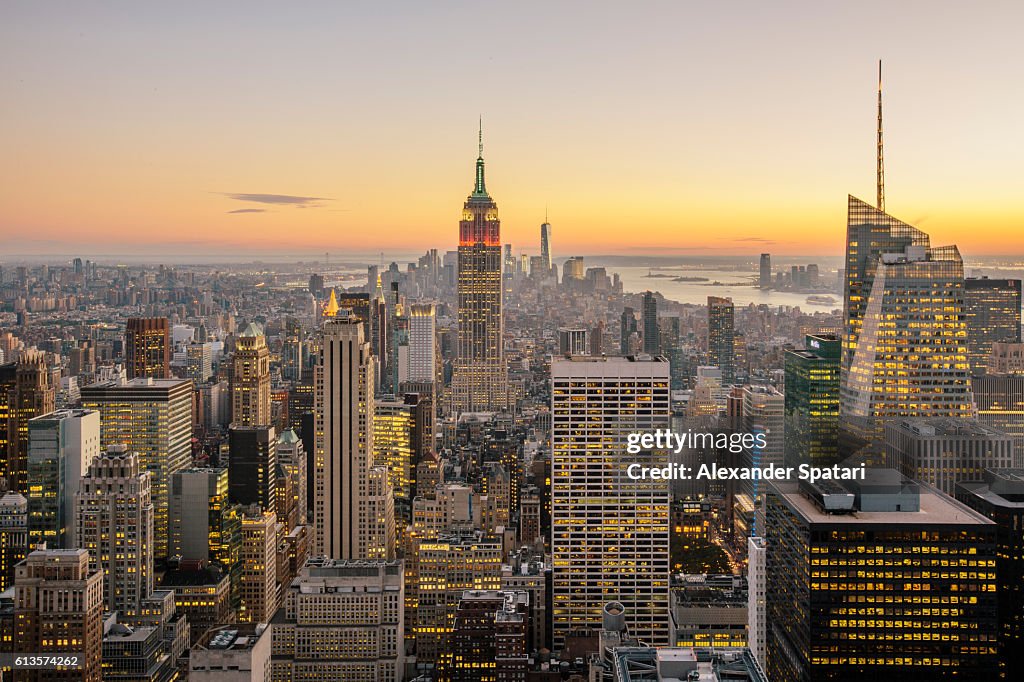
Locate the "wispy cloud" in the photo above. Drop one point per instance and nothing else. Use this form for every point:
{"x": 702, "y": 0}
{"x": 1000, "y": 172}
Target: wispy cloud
{"x": 278, "y": 199}
{"x": 249, "y": 210}
{"x": 754, "y": 239}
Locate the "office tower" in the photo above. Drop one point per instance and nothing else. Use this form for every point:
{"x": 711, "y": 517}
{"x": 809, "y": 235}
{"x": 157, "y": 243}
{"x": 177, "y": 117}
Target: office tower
{"x": 61, "y": 447}
{"x": 627, "y": 327}
{"x": 858, "y": 585}
{"x": 480, "y": 380}
{"x": 573, "y": 270}
{"x": 573, "y": 341}
{"x": 610, "y": 533}
{"x": 199, "y": 357}
{"x": 204, "y": 527}
{"x": 489, "y": 638}
{"x": 26, "y": 391}
{"x": 812, "y": 401}
{"x": 1000, "y": 402}
{"x": 910, "y": 359}
{"x": 422, "y": 343}
{"x": 944, "y": 451}
{"x": 545, "y": 246}
{"x": 721, "y": 351}
{"x": 1006, "y": 358}
{"x": 153, "y": 417}
{"x": 652, "y": 337}
{"x": 147, "y": 347}
{"x": 250, "y": 379}
{"x": 114, "y": 521}
{"x": 203, "y": 595}
{"x": 354, "y": 505}
{"x": 293, "y": 361}
{"x": 59, "y": 608}
{"x": 766, "y": 271}
{"x": 764, "y": 414}
{"x": 252, "y": 469}
{"x": 291, "y": 455}
{"x": 258, "y": 583}
{"x": 992, "y": 313}
{"x": 13, "y": 536}
{"x": 439, "y": 569}
{"x": 757, "y": 626}
{"x": 232, "y": 653}
{"x": 402, "y": 432}
{"x": 358, "y": 624}
{"x": 998, "y": 494}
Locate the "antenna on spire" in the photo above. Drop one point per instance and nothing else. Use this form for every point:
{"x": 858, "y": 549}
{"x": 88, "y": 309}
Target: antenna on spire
{"x": 545, "y": 213}
{"x": 880, "y": 161}
{"x": 481, "y": 136}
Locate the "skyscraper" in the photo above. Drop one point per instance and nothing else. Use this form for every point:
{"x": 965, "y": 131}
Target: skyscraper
{"x": 203, "y": 528}
{"x": 61, "y": 447}
{"x": 812, "y": 402}
{"x": 258, "y": 582}
{"x": 610, "y": 533}
{"x": 627, "y": 328}
{"x": 422, "y": 343}
{"x": 26, "y": 391}
{"x": 252, "y": 469}
{"x": 992, "y": 314}
{"x": 250, "y": 379}
{"x": 765, "y": 279}
{"x": 480, "y": 381}
{"x": 652, "y": 337}
{"x": 354, "y": 505}
{"x": 147, "y": 347}
{"x": 721, "y": 341}
{"x": 860, "y": 583}
{"x": 153, "y": 417}
{"x": 545, "y": 246}
{"x": 114, "y": 521}
{"x": 13, "y": 536}
{"x": 59, "y": 605}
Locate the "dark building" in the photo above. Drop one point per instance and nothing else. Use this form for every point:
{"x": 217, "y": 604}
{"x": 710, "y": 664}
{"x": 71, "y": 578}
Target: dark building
{"x": 628, "y": 329}
{"x": 358, "y": 305}
{"x": 766, "y": 271}
{"x": 316, "y": 284}
{"x": 147, "y": 347}
{"x": 992, "y": 312}
{"x": 489, "y": 642}
{"x": 26, "y": 392}
{"x": 252, "y": 472}
{"x": 1000, "y": 497}
{"x": 812, "y": 402}
{"x": 721, "y": 346}
{"x": 882, "y": 579}
{"x": 652, "y": 338}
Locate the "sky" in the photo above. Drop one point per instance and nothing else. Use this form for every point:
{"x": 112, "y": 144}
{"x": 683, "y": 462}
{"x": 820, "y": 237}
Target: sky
{"x": 645, "y": 127}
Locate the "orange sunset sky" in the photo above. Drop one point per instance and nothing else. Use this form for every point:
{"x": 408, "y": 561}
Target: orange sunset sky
{"x": 662, "y": 128}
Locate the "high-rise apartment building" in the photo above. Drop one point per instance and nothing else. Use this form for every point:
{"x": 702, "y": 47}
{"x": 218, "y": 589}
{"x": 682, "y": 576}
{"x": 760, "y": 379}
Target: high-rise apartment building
{"x": 147, "y": 347}
{"x": 114, "y": 522}
{"x": 721, "y": 333}
{"x": 258, "y": 557}
{"x": 354, "y": 504}
{"x": 58, "y": 608}
{"x": 250, "y": 379}
{"x": 812, "y": 401}
{"x": 610, "y": 533}
{"x": 61, "y": 447}
{"x": 341, "y": 620}
{"x": 991, "y": 313}
{"x": 881, "y": 579}
{"x": 291, "y": 456}
{"x": 199, "y": 359}
{"x": 26, "y": 391}
{"x": 480, "y": 380}
{"x": 422, "y": 343}
{"x": 652, "y": 336}
{"x": 152, "y": 417}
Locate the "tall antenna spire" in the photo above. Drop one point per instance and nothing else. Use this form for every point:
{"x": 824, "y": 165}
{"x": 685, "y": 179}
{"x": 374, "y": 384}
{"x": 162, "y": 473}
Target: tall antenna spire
{"x": 880, "y": 161}
{"x": 481, "y": 133}
{"x": 480, "y": 188}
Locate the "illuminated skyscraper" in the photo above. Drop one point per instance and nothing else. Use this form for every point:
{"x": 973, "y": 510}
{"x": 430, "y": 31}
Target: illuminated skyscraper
{"x": 26, "y": 391}
{"x": 422, "y": 343}
{"x": 545, "y": 246}
{"x": 812, "y": 402}
{"x": 721, "y": 337}
{"x": 114, "y": 521}
{"x": 147, "y": 347}
{"x": 480, "y": 381}
{"x": 250, "y": 379}
{"x": 353, "y": 502}
{"x": 402, "y": 435}
{"x": 992, "y": 314}
{"x": 610, "y": 533}
{"x": 153, "y": 417}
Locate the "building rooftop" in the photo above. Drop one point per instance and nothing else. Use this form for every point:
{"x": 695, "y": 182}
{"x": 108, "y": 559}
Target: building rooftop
{"x": 947, "y": 426}
{"x": 235, "y": 637}
{"x": 1000, "y": 488}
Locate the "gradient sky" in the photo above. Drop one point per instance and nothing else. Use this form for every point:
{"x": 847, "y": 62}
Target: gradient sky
{"x": 658, "y": 127}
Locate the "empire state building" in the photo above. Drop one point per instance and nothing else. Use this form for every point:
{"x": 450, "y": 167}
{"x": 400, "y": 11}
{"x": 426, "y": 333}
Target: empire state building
{"x": 480, "y": 382}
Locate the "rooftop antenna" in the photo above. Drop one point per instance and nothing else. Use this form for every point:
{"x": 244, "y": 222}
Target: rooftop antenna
{"x": 880, "y": 161}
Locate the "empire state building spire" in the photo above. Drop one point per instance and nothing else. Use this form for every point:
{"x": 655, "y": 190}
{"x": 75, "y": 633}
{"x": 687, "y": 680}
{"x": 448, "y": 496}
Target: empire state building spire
{"x": 880, "y": 159}
{"x": 480, "y": 188}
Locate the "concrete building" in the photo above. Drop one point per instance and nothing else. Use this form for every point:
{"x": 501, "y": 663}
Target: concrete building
{"x": 232, "y": 653}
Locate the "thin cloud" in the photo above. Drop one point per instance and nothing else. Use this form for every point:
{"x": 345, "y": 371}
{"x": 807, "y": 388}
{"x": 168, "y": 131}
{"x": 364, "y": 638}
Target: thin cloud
{"x": 249, "y": 210}
{"x": 278, "y": 199}
{"x": 755, "y": 239}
